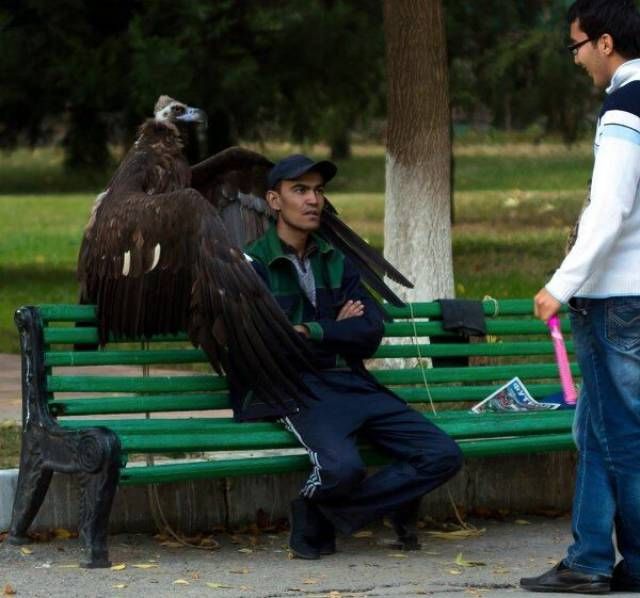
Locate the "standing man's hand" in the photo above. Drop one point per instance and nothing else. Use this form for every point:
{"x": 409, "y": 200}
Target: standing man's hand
{"x": 351, "y": 309}
{"x": 545, "y": 305}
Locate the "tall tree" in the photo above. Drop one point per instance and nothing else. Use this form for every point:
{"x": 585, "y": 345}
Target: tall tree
{"x": 417, "y": 210}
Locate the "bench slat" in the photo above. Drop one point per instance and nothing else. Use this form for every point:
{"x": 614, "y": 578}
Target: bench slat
{"x": 196, "y": 402}
{"x": 87, "y": 313}
{"x": 173, "y": 356}
{"x": 140, "y": 404}
{"x": 212, "y": 382}
{"x": 135, "y": 384}
{"x": 161, "y": 435}
{"x": 261, "y": 465}
{"x": 89, "y": 335}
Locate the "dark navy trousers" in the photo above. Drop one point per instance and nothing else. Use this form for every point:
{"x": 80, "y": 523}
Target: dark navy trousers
{"x": 351, "y": 407}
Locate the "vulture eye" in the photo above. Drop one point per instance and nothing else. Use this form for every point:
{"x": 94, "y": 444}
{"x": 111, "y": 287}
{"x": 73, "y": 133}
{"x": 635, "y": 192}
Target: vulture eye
{"x": 178, "y": 109}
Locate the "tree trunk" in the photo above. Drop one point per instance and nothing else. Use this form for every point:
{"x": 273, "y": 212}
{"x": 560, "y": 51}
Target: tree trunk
{"x": 417, "y": 209}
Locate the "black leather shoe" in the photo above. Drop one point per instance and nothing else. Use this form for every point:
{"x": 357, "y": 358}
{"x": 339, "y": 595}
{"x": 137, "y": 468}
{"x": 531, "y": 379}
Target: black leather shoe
{"x": 305, "y": 529}
{"x": 405, "y": 524}
{"x": 563, "y": 579}
{"x": 622, "y": 581}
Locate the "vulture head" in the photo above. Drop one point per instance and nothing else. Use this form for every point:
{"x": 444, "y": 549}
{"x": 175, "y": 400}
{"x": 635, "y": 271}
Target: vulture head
{"x": 171, "y": 112}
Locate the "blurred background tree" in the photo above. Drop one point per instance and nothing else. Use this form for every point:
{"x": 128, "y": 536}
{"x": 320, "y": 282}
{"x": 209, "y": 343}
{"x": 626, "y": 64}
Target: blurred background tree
{"x": 84, "y": 73}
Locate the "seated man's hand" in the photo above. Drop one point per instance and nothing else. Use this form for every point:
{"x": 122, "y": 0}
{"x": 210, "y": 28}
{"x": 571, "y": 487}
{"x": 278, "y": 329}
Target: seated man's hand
{"x": 351, "y": 309}
{"x": 302, "y": 329}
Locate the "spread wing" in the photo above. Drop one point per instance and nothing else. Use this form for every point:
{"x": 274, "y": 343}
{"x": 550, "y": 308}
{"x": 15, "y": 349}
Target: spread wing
{"x": 235, "y": 181}
{"x": 162, "y": 263}
{"x": 372, "y": 265}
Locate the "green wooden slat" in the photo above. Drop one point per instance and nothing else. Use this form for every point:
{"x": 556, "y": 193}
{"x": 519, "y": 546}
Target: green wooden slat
{"x": 440, "y": 394}
{"x": 135, "y": 384}
{"x": 60, "y": 312}
{"x": 497, "y": 327}
{"x": 211, "y": 382}
{"x": 89, "y": 335}
{"x": 223, "y": 433}
{"x": 468, "y": 374}
{"x": 506, "y": 307}
{"x": 475, "y": 349}
{"x": 139, "y": 404}
{"x": 189, "y": 355}
{"x": 195, "y": 402}
{"x": 129, "y": 357}
{"x": 286, "y": 463}
{"x": 87, "y": 313}
{"x": 279, "y": 439}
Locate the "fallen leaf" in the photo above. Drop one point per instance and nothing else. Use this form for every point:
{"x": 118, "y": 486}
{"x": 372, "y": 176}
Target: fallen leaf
{"x": 309, "y": 581}
{"x": 181, "y": 582}
{"x": 363, "y": 534}
{"x": 218, "y": 586}
{"x": 70, "y": 566}
{"x": 455, "y": 571}
{"x": 459, "y": 534}
{"x": 522, "y": 522}
{"x": 119, "y": 586}
{"x": 245, "y": 550}
{"x": 61, "y": 534}
{"x": 462, "y": 563}
{"x": 46, "y": 565}
{"x": 171, "y": 544}
{"x": 8, "y": 590}
{"x": 397, "y": 555}
{"x": 242, "y": 571}
{"x": 146, "y": 566}
{"x": 195, "y": 575}
{"x": 118, "y": 567}
{"x": 26, "y": 551}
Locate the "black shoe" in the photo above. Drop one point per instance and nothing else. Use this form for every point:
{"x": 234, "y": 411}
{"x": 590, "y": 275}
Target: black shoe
{"x": 622, "y": 581}
{"x": 563, "y": 579}
{"x": 305, "y": 529}
{"x": 404, "y": 522}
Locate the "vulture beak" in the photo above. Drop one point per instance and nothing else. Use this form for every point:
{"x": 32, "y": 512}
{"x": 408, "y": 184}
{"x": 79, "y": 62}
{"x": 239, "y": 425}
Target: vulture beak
{"x": 193, "y": 115}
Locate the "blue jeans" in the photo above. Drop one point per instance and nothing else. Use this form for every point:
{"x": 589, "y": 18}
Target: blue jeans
{"x": 606, "y": 333}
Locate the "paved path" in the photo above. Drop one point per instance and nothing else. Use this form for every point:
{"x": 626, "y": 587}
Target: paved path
{"x": 258, "y": 566}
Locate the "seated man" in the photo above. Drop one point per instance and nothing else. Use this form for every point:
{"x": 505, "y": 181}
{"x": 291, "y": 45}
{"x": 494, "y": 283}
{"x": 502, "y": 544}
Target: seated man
{"x": 320, "y": 291}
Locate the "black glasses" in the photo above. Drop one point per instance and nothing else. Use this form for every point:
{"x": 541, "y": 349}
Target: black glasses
{"x": 573, "y": 48}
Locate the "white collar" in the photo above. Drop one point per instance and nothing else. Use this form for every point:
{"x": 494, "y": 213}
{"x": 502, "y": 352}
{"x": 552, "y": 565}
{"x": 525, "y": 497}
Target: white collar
{"x": 625, "y": 73}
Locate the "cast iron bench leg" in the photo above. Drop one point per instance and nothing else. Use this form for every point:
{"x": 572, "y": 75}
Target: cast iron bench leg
{"x": 33, "y": 483}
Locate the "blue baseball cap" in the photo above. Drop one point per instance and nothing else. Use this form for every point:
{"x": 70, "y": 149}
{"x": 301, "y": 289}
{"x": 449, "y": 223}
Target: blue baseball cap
{"x": 295, "y": 166}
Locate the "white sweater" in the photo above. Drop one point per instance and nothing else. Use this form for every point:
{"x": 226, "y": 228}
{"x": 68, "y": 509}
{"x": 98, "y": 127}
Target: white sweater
{"x": 605, "y": 260}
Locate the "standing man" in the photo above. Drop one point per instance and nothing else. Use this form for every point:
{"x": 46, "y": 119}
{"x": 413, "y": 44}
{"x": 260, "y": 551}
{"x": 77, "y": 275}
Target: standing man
{"x": 600, "y": 279}
{"x": 320, "y": 291}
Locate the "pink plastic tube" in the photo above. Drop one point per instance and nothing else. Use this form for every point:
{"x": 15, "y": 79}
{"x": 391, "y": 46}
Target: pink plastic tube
{"x": 566, "y": 379}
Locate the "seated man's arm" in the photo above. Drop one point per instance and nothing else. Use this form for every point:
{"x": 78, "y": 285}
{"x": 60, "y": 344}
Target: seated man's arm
{"x": 358, "y": 328}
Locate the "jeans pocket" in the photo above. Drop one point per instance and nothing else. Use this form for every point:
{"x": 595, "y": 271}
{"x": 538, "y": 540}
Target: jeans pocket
{"x": 623, "y": 322}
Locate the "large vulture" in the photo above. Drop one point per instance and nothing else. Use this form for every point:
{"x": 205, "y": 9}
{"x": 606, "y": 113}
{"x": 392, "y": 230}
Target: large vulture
{"x": 161, "y": 253}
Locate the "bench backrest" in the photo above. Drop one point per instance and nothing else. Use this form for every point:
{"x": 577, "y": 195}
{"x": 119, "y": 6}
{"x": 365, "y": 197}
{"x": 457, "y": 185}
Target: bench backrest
{"x": 516, "y": 345}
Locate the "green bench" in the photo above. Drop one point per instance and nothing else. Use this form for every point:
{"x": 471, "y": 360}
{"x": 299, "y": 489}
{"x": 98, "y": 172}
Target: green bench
{"x": 97, "y": 425}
